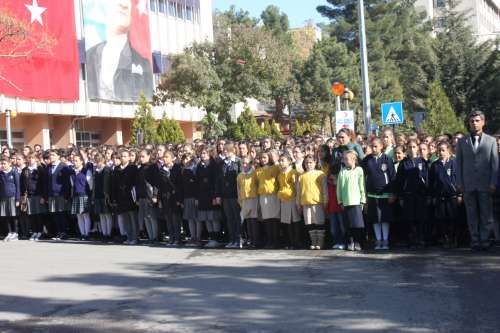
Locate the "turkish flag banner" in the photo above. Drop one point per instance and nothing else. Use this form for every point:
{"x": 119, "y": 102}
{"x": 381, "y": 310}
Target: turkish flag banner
{"x": 39, "y": 57}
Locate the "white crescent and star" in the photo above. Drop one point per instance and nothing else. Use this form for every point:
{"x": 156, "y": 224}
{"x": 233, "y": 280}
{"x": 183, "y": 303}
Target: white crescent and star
{"x": 142, "y": 7}
{"x": 36, "y": 12}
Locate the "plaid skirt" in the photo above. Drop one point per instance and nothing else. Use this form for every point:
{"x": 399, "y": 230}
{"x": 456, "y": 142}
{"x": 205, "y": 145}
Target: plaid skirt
{"x": 189, "y": 212}
{"x": 80, "y": 205}
{"x": 101, "y": 207}
{"x": 57, "y": 205}
{"x": 34, "y": 207}
{"x": 209, "y": 215}
{"x": 8, "y": 207}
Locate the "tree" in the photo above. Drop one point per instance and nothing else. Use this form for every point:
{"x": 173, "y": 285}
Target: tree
{"x": 144, "y": 124}
{"x": 19, "y": 39}
{"x": 212, "y": 127}
{"x": 461, "y": 58}
{"x": 170, "y": 131}
{"x": 402, "y": 63}
{"x": 440, "y": 115}
{"x": 274, "y": 20}
{"x": 248, "y": 126}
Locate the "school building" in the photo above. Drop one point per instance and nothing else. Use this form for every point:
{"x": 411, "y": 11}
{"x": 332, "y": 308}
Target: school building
{"x": 174, "y": 25}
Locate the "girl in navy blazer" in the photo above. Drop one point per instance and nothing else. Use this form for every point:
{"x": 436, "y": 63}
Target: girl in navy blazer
{"x": 81, "y": 187}
{"x": 411, "y": 187}
{"x": 10, "y": 195}
{"x": 33, "y": 192}
{"x": 443, "y": 188}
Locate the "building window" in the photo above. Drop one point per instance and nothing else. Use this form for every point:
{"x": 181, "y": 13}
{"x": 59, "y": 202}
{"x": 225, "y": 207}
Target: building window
{"x": 189, "y": 13}
{"x": 440, "y": 3}
{"x": 153, "y": 5}
{"x": 87, "y": 139}
{"x": 171, "y": 8}
{"x": 180, "y": 10}
{"x": 162, "y": 6}
{"x": 17, "y": 138}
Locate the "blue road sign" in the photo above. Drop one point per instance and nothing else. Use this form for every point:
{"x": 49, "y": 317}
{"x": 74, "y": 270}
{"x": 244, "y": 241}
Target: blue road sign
{"x": 392, "y": 113}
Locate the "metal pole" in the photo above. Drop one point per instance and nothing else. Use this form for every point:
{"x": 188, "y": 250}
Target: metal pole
{"x": 338, "y": 104}
{"x": 364, "y": 67}
{"x": 8, "y": 128}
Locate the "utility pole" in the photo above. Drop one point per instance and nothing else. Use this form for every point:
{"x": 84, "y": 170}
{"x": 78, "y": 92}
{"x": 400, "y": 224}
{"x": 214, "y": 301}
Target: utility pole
{"x": 8, "y": 128}
{"x": 364, "y": 68}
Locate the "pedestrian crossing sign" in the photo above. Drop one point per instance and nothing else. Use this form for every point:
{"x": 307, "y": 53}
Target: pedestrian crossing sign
{"x": 392, "y": 113}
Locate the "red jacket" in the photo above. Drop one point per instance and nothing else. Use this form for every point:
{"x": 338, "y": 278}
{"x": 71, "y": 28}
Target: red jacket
{"x": 333, "y": 205}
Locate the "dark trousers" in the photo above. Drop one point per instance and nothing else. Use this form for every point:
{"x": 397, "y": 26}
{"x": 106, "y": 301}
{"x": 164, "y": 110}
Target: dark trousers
{"x": 232, "y": 212}
{"x": 60, "y": 222}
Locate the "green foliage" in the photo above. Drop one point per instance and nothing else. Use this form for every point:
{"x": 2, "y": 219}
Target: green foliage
{"x": 274, "y": 20}
{"x": 248, "y": 126}
{"x": 233, "y": 132}
{"x": 212, "y": 127}
{"x": 169, "y": 131}
{"x": 440, "y": 117}
{"x": 144, "y": 124}
{"x": 301, "y": 127}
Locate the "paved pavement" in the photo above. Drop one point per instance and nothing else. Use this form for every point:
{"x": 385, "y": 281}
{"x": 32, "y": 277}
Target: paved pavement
{"x": 74, "y": 287}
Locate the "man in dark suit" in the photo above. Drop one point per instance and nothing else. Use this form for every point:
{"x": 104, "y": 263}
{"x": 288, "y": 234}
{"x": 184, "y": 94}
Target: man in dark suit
{"x": 115, "y": 70}
{"x": 477, "y": 170}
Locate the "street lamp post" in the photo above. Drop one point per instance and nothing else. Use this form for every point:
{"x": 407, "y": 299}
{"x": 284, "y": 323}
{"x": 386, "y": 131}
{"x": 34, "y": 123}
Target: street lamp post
{"x": 8, "y": 128}
{"x": 364, "y": 67}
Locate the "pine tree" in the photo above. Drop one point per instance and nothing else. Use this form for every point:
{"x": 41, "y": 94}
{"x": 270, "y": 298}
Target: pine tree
{"x": 440, "y": 115}
{"x": 169, "y": 131}
{"x": 249, "y": 128}
{"x": 144, "y": 124}
{"x": 212, "y": 127}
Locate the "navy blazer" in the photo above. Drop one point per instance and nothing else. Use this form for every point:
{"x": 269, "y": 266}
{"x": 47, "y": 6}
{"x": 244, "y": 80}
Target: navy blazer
{"x": 380, "y": 174}
{"x": 443, "y": 179}
{"x": 10, "y": 185}
{"x": 58, "y": 183}
{"x": 33, "y": 181}
{"x": 412, "y": 176}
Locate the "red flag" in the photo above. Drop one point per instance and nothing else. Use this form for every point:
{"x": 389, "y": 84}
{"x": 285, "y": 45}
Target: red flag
{"x": 139, "y": 29}
{"x": 41, "y": 63}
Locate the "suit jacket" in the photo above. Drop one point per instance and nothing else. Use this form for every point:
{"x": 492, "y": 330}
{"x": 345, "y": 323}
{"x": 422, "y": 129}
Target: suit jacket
{"x": 128, "y": 83}
{"x": 477, "y": 170}
{"x": 58, "y": 182}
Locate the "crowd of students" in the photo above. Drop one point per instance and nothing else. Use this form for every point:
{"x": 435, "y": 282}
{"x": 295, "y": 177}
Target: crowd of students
{"x": 347, "y": 193}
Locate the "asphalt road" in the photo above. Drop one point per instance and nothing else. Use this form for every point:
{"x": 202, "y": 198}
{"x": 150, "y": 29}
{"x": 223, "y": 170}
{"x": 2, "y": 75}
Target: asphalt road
{"x": 74, "y": 287}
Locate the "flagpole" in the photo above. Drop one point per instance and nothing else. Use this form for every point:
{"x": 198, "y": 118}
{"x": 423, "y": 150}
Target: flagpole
{"x": 364, "y": 67}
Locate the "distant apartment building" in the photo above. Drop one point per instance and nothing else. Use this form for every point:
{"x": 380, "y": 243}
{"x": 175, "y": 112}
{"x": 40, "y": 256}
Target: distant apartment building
{"x": 483, "y": 15}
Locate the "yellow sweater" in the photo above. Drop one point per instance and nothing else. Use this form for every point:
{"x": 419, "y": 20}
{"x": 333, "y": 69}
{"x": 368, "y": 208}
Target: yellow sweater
{"x": 287, "y": 182}
{"x": 247, "y": 185}
{"x": 267, "y": 178}
{"x": 312, "y": 188}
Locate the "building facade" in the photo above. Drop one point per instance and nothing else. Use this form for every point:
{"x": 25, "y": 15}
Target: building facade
{"x": 482, "y": 15}
{"x": 173, "y": 25}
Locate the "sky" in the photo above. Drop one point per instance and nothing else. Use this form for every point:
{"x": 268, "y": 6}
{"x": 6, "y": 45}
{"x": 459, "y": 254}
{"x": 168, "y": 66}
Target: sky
{"x": 298, "y": 11}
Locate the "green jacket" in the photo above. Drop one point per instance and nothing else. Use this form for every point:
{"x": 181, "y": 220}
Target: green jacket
{"x": 351, "y": 187}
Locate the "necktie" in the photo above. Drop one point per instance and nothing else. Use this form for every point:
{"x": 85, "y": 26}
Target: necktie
{"x": 476, "y": 142}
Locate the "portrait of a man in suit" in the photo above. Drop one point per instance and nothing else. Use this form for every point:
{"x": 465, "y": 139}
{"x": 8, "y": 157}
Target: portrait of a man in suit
{"x": 116, "y": 71}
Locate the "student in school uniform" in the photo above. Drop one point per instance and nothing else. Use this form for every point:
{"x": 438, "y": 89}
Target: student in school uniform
{"x": 81, "y": 188}
{"x": 227, "y": 193}
{"x": 338, "y": 227}
{"x": 146, "y": 191}
{"x": 443, "y": 188}
{"x": 10, "y": 196}
{"x": 170, "y": 197}
{"x": 101, "y": 196}
{"x": 33, "y": 192}
{"x": 290, "y": 216}
{"x": 208, "y": 213}
{"x": 267, "y": 178}
{"x": 312, "y": 199}
{"x": 122, "y": 184}
{"x": 189, "y": 195}
{"x": 248, "y": 199}
{"x": 351, "y": 196}
{"x": 380, "y": 173}
{"x": 58, "y": 193}
{"x": 298, "y": 157}
{"x": 411, "y": 188}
